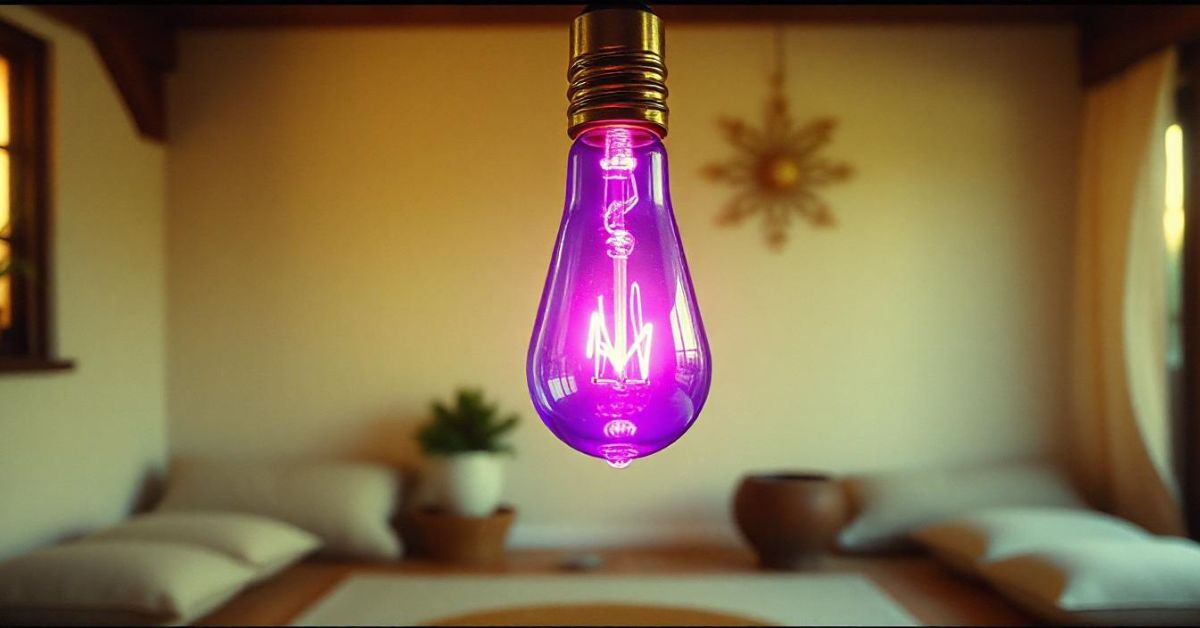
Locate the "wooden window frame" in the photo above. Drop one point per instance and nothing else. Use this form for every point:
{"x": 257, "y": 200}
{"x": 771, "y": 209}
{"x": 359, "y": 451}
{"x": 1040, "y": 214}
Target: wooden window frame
{"x": 29, "y": 344}
{"x": 1187, "y": 428}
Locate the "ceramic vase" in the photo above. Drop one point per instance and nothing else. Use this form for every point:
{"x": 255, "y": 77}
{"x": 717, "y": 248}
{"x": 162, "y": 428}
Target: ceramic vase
{"x": 790, "y": 519}
{"x": 467, "y": 484}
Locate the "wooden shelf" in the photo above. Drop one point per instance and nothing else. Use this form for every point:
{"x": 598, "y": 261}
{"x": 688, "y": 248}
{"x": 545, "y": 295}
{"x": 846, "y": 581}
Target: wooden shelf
{"x": 35, "y": 365}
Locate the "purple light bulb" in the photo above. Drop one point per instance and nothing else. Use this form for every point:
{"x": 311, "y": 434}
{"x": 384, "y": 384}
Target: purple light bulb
{"x": 618, "y": 366}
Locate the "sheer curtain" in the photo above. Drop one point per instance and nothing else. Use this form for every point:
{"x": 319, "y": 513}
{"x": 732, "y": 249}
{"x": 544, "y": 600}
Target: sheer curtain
{"x": 1121, "y": 408}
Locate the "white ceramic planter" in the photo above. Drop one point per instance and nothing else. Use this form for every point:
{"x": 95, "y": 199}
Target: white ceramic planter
{"x": 467, "y": 484}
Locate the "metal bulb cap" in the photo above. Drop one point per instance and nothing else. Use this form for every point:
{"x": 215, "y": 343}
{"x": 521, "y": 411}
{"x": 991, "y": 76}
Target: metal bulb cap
{"x": 618, "y": 71}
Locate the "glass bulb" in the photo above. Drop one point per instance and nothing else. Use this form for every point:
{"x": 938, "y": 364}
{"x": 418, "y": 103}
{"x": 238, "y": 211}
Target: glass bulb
{"x": 618, "y": 366}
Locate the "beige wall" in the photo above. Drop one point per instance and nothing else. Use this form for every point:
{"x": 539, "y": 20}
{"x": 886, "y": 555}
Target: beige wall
{"x": 76, "y": 447}
{"x": 360, "y": 220}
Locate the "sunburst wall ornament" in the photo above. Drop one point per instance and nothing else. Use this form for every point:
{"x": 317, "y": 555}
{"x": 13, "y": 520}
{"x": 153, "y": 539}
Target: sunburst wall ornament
{"x": 779, "y": 167}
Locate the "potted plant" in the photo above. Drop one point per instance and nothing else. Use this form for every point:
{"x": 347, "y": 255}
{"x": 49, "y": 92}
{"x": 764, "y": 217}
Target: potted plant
{"x": 9, "y": 267}
{"x": 464, "y": 449}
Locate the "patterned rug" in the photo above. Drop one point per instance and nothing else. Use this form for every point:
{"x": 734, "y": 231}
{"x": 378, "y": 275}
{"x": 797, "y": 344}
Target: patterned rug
{"x": 805, "y": 599}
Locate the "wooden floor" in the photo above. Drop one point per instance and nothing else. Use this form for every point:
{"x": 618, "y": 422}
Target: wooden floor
{"x": 929, "y": 592}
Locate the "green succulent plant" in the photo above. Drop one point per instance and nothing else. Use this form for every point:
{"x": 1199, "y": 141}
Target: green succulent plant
{"x": 470, "y": 425}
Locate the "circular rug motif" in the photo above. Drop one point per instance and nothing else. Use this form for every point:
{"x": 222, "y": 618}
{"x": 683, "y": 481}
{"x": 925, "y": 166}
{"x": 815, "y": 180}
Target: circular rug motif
{"x": 599, "y": 615}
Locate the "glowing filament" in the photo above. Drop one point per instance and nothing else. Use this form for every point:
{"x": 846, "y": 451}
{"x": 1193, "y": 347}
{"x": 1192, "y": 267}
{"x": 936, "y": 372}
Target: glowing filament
{"x": 606, "y": 353}
{"x": 612, "y": 353}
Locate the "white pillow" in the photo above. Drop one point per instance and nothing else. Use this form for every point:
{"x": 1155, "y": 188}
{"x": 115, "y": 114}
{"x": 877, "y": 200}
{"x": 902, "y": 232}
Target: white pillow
{"x": 348, "y": 505}
{"x": 117, "y": 583}
{"x": 987, "y": 535}
{"x": 890, "y": 505}
{"x": 265, "y": 545}
{"x": 1112, "y": 582}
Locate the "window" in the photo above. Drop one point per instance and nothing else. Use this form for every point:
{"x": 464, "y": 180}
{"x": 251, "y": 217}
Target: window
{"x": 1183, "y": 247}
{"x": 1173, "y": 226}
{"x": 25, "y": 273}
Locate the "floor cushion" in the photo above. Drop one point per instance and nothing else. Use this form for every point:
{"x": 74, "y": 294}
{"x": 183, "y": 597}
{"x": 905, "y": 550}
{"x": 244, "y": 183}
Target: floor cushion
{"x": 117, "y": 582}
{"x": 350, "y": 506}
{"x": 888, "y": 506}
{"x": 265, "y": 545}
{"x": 1153, "y": 581}
{"x": 986, "y": 535}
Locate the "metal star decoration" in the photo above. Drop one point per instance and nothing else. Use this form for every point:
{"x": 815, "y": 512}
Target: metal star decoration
{"x": 778, "y": 168}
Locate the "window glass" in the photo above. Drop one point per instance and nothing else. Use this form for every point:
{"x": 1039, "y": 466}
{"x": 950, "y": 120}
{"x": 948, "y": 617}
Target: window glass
{"x": 1173, "y": 226}
{"x": 5, "y": 202}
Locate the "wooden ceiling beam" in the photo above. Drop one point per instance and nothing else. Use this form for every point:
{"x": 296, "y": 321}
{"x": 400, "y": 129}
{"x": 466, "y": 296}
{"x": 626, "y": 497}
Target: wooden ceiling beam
{"x": 257, "y": 16}
{"x": 1113, "y": 37}
{"x": 137, "y": 42}
{"x": 137, "y": 46}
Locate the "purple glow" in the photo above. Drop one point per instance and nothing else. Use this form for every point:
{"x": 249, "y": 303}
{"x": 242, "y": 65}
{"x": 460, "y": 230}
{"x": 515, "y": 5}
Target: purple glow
{"x": 618, "y": 365}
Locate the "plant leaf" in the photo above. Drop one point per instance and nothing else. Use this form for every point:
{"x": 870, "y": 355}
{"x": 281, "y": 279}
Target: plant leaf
{"x": 472, "y": 424}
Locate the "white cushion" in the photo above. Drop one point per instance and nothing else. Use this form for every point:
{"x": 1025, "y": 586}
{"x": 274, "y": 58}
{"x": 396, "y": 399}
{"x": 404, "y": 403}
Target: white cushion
{"x": 990, "y": 534}
{"x": 348, "y": 505}
{"x": 265, "y": 545}
{"x": 1138, "y": 582}
{"x": 117, "y": 582}
{"x": 890, "y": 505}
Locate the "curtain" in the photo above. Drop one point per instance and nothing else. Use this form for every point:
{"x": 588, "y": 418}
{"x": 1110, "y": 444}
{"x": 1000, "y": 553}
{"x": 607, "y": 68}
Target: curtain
{"x": 1121, "y": 429}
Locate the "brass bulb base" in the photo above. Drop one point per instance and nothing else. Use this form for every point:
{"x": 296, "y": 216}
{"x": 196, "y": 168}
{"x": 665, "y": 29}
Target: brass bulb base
{"x": 618, "y": 71}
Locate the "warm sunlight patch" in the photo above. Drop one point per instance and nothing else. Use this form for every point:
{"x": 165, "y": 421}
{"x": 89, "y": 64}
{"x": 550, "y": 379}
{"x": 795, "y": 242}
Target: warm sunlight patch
{"x": 1173, "y": 217}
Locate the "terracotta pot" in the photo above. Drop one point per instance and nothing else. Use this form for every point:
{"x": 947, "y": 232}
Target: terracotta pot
{"x": 448, "y": 537}
{"x": 790, "y": 519}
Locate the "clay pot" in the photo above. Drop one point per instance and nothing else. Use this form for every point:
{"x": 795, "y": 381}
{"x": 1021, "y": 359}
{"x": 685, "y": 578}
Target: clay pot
{"x": 790, "y": 519}
{"x": 448, "y": 537}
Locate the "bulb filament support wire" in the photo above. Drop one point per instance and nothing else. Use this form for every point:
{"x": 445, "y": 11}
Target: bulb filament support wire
{"x": 613, "y": 354}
